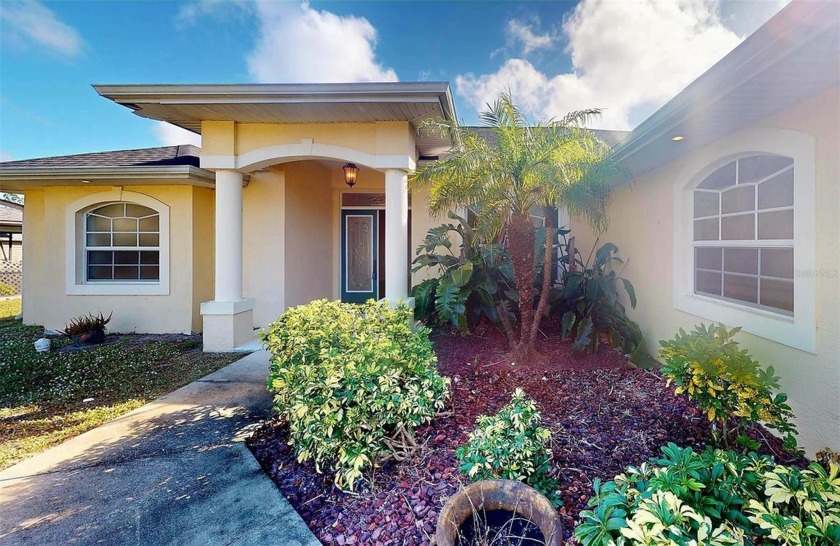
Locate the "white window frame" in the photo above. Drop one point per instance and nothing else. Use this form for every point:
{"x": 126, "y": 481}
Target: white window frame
{"x": 799, "y": 330}
{"x": 74, "y": 231}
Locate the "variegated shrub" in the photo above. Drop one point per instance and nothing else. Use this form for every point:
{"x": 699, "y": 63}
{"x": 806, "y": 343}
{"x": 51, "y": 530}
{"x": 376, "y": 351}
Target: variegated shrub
{"x": 352, "y": 382}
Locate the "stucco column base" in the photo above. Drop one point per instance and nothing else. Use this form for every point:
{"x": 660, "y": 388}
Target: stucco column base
{"x": 227, "y": 324}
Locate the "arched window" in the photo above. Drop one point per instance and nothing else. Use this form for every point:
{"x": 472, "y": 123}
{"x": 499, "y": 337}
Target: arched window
{"x": 122, "y": 243}
{"x": 117, "y": 243}
{"x": 743, "y": 233}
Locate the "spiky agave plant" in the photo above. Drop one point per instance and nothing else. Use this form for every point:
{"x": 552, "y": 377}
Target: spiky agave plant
{"x": 88, "y": 328}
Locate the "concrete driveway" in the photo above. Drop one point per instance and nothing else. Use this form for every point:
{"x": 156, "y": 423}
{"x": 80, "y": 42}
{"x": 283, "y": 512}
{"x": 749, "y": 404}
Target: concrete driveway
{"x": 175, "y": 471}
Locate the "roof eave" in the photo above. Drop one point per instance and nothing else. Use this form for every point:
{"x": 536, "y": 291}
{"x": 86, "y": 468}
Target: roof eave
{"x": 20, "y": 179}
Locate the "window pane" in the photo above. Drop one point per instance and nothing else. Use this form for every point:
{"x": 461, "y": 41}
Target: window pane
{"x": 752, "y": 169}
{"x": 99, "y": 273}
{"x": 741, "y": 227}
{"x": 777, "y": 262}
{"x": 740, "y": 288}
{"x": 150, "y": 224}
{"x": 99, "y": 239}
{"x": 778, "y": 294}
{"x": 138, "y": 211}
{"x": 112, "y": 211}
{"x": 149, "y": 273}
{"x": 98, "y": 257}
{"x": 775, "y": 225}
{"x": 738, "y": 199}
{"x": 776, "y": 192}
{"x": 125, "y": 239}
{"x": 706, "y": 203}
{"x": 709, "y": 258}
{"x": 150, "y": 257}
{"x": 127, "y": 257}
{"x": 707, "y": 283}
{"x": 125, "y": 224}
{"x": 741, "y": 260}
{"x": 97, "y": 223}
{"x": 126, "y": 272}
{"x": 721, "y": 178}
{"x": 706, "y": 230}
{"x": 149, "y": 239}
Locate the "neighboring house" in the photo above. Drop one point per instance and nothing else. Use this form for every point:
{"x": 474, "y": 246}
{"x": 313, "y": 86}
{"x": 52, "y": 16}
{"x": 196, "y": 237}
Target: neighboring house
{"x": 11, "y": 231}
{"x": 735, "y": 222}
{"x": 11, "y": 245}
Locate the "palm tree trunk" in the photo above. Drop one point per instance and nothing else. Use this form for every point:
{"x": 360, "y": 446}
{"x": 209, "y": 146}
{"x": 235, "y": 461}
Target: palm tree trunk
{"x": 521, "y": 244}
{"x": 542, "y": 307}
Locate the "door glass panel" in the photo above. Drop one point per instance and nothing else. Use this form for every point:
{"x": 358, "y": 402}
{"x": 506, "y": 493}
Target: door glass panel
{"x": 359, "y": 253}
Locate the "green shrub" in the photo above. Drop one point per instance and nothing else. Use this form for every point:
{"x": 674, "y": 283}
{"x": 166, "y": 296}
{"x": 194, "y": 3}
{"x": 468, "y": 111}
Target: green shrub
{"x": 474, "y": 283}
{"x": 7, "y": 289}
{"x": 727, "y": 383}
{"x": 510, "y": 445}
{"x": 352, "y": 382}
{"x": 589, "y": 301}
{"x": 715, "y": 497}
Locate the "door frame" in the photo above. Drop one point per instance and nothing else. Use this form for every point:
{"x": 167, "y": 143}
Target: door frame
{"x": 357, "y": 296}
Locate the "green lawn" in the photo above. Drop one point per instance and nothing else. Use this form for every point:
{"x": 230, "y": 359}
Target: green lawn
{"x": 42, "y": 394}
{"x": 9, "y": 307}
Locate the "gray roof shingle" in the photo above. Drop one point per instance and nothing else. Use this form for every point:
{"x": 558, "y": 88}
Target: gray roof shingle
{"x": 185, "y": 154}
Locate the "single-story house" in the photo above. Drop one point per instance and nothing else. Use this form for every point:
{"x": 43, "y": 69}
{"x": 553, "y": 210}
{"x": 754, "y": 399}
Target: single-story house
{"x": 11, "y": 231}
{"x": 733, "y": 215}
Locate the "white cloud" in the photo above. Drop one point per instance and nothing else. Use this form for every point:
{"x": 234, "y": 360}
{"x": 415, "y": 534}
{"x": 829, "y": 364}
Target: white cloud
{"x": 628, "y": 57}
{"x": 297, "y": 43}
{"x": 745, "y": 16}
{"x": 172, "y": 135}
{"x": 29, "y": 21}
{"x": 521, "y": 33}
{"x": 5, "y": 156}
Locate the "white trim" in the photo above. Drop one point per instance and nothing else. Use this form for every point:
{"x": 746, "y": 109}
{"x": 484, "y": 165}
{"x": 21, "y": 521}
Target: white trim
{"x": 798, "y": 331}
{"x": 74, "y": 274}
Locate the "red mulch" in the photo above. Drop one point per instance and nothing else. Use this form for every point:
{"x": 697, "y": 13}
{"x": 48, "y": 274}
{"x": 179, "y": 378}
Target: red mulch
{"x": 603, "y": 413}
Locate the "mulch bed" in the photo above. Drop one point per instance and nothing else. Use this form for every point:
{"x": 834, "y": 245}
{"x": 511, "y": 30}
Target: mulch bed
{"x": 604, "y": 415}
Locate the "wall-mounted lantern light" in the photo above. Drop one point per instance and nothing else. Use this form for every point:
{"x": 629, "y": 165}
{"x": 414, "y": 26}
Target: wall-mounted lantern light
{"x": 350, "y": 172}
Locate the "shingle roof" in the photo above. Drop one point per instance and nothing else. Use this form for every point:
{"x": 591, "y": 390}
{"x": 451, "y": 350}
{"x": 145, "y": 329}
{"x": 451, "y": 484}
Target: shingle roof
{"x": 185, "y": 154}
{"x": 10, "y": 213}
{"x": 612, "y": 138}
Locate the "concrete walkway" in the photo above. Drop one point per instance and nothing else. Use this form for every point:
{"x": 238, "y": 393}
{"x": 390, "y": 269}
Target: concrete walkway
{"x": 172, "y": 472}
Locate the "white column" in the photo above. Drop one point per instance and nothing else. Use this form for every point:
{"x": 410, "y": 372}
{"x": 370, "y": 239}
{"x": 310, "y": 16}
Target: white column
{"x": 396, "y": 235}
{"x": 228, "y": 236}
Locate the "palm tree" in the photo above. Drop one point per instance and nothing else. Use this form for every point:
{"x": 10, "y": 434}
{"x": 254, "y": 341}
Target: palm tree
{"x": 531, "y": 166}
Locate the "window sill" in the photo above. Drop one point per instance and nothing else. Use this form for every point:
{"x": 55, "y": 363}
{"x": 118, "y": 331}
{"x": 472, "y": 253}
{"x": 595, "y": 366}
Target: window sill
{"x": 118, "y": 289}
{"x": 782, "y": 329}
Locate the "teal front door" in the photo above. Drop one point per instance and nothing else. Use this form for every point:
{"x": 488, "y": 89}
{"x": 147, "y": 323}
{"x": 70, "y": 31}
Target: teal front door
{"x": 359, "y": 255}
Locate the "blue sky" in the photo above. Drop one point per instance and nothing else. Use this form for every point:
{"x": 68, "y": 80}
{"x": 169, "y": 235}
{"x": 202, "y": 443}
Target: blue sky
{"x": 626, "y": 56}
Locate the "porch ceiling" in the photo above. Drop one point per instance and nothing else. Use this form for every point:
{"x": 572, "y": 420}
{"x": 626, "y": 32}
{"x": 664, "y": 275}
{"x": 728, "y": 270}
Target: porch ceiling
{"x": 188, "y": 105}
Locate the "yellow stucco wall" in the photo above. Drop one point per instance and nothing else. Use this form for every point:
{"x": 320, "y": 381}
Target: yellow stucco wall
{"x": 46, "y": 300}
{"x": 642, "y": 225}
{"x": 220, "y": 138}
{"x": 263, "y": 244}
{"x": 309, "y": 241}
{"x": 203, "y": 257}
